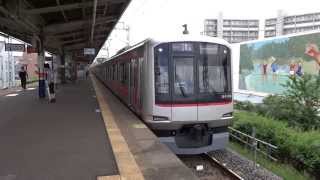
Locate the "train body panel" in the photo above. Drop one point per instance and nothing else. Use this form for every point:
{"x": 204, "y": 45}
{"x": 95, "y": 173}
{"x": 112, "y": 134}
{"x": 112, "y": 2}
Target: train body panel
{"x": 215, "y": 111}
{"x": 180, "y": 87}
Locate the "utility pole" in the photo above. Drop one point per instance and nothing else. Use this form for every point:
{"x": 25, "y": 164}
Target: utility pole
{"x": 125, "y": 28}
{"x": 121, "y": 26}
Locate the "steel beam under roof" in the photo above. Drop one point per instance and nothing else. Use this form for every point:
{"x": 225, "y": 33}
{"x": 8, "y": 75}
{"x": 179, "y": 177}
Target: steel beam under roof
{"x": 51, "y": 9}
{"x": 73, "y": 24}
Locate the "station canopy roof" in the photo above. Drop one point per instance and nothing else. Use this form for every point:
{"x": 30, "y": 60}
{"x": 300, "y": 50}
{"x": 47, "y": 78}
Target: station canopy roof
{"x": 71, "y": 25}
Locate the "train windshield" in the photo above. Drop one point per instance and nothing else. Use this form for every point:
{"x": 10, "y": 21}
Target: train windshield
{"x": 190, "y": 72}
{"x": 214, "y": 72}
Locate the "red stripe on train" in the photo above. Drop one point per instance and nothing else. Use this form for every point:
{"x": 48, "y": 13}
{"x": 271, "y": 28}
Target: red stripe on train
{"x": 195, "y": 104}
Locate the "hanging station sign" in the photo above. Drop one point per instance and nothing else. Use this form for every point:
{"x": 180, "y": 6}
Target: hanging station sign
{"x": 89, "y": 51}
{"x": 14, "y": 47}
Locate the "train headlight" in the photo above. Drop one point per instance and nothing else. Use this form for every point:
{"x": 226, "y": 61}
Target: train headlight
{"x": 228, "y": 114}
{"x": 160, "y": 118}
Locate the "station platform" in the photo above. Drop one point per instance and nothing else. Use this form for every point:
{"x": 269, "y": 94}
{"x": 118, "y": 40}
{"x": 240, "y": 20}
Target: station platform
{"x": 87, "y": 134}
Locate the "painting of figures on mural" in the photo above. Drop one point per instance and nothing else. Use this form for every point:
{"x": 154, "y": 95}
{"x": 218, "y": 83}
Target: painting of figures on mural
{"x": 266, "y": 65}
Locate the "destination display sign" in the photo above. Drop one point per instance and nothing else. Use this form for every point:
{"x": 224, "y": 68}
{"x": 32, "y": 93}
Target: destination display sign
{"x": 14, "y": 47}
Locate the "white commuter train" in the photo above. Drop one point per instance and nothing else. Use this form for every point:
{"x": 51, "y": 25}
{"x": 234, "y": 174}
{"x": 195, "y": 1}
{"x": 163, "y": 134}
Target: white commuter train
{"x": 180, "y": 87}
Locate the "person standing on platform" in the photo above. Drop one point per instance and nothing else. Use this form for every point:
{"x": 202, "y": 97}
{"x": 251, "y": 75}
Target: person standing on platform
{"x": 23, "y": 77}
{"x": 49, "y": 77}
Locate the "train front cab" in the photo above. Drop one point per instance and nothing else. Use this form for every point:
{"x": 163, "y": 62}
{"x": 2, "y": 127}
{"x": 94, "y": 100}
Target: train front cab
{"x": 193, "y": 96}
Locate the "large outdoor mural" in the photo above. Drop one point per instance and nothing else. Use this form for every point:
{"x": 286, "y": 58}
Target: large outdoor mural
{"x": 266, "y": 65}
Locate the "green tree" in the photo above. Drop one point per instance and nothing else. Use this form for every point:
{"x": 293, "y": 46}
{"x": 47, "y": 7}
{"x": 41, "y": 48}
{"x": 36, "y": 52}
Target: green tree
{"x": 299, "y": 105}
{"x": 304, "y": 93}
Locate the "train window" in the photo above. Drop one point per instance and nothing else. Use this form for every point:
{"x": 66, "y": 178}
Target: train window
{"x": 122, "y": 73}
{"x": 214, "y": 69}
{"x": 125, "y": 71}
{"x": 114, "y": 72}
{"x": 110, "y": 70}
{"x": 182, "y": 47}
{"x": 226, "y": 63}
{"x": 183, "y": 76}
{"x": 161, "y": 73}
{"x": 106, "y": 73}
{"x": 117, "y": 71}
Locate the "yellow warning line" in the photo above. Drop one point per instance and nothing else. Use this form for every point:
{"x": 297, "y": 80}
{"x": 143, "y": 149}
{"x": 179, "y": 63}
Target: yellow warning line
{"x": 116, "y": 177}
{"x": 126, "y": 163}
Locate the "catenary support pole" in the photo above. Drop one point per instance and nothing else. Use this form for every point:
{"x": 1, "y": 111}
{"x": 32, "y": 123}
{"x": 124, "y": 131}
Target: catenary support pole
{"x": 41, "y": 59}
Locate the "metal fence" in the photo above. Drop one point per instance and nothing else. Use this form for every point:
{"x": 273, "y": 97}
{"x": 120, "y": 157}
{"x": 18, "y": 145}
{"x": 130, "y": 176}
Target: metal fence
{"x": 255, "y": 144}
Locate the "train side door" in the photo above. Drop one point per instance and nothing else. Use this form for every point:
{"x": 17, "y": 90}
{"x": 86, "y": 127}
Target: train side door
{"x": 139, "y": 84}
{"x": 131, "y": 82}
{"x": 134, "y": 85}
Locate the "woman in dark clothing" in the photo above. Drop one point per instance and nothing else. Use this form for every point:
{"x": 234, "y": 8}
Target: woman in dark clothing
{"x": 23, "y": 77}
{"x": 49, "y": 77}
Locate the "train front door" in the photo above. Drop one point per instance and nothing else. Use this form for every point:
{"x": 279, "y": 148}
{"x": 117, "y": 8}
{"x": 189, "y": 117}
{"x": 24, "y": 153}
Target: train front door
{"x": 184, "y": 99}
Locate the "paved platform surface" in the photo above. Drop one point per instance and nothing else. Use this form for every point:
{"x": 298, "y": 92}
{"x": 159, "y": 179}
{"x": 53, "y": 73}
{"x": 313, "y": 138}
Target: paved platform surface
{"x": 61, "y": 141}
{"x": 15, "y": 89}
{"x": 155, "y": 160}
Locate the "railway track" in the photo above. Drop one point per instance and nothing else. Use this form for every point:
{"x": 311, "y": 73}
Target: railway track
{"x": 207, "y": 167}
{"x": 224, "y": 168}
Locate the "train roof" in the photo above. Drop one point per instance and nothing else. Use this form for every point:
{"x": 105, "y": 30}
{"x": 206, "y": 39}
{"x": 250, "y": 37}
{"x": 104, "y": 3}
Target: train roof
{"x": 179, "y": 38}
{"x": 190, "y": 38}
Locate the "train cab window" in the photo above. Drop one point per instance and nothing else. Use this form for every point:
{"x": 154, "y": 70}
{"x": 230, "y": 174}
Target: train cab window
{"x": 214, "y": 71}
{"x": 226, "y": 63}
{"x": 161, "y": 73}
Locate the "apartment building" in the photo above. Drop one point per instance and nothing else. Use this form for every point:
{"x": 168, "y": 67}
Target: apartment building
{"x": 232, "y": 30}
{"x": 282, "y": 24}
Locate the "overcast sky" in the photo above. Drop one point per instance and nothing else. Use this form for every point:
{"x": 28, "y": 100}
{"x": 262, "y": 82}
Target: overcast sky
{"x": 148, "y": 18}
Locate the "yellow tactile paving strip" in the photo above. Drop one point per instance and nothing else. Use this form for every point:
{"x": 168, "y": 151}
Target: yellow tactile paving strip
{"x": 116, "y": 177}
{"x": 127, "y": 165}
